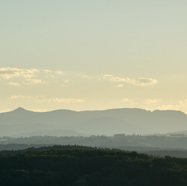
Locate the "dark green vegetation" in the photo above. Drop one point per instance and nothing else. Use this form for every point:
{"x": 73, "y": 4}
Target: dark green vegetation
{"x": 158, "y": 145}
{"x": 85, "y": 166}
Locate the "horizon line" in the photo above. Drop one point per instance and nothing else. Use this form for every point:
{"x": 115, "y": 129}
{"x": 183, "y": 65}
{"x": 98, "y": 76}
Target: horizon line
{"x": 44, "y": 111}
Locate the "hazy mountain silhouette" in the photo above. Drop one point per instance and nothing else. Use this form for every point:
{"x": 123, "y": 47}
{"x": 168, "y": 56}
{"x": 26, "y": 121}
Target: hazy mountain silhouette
{"x": 104, "y": 122}
{"x": 178, "y": 133}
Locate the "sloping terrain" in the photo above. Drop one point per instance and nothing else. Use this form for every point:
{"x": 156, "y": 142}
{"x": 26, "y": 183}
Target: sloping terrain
{"x": 106, "y": 122}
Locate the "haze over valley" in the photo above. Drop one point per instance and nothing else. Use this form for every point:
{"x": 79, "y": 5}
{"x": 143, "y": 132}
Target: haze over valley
{"x": 93, "y": 93}
{"x": 21, "y": 122}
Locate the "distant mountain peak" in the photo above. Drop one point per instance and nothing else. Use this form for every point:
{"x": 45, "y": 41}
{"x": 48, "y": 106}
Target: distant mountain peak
{"x": 20, "y": 109}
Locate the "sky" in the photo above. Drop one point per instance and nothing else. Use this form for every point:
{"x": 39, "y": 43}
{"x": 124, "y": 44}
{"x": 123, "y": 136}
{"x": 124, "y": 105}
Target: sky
{"x": 93, "y": 55}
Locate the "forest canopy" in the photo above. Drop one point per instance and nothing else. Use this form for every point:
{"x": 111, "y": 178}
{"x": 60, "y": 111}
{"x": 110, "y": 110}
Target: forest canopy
{"x": 78, "y": 165}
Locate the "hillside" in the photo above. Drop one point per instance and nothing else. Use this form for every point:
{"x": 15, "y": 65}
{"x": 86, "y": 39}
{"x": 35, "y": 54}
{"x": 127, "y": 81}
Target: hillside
{"x": 83, "y": 166}
{"x": 21, "y": 122}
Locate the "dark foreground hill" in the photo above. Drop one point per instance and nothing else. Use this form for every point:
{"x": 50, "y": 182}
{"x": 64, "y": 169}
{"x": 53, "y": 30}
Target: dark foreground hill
{"x": 81, "y": 166}
{"x": 21, "y": 122}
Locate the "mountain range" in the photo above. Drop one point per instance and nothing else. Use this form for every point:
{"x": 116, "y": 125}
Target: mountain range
{"x": 21, "y": 122}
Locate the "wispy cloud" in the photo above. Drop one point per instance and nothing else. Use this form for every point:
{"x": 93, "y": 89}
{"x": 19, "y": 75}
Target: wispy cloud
{"x": 46, "y": 76}
{"x": 29, "y": 76}
{"x": 59, "y": 72}
{"x": 47, "y": 71}
{"x": 14, "y": 84}
{"x": 120, "y": 85}
{"x": 36, "y": 81}
{"x": 138, "y": 81}
{"x": 66, "y": 81}
{"x": 59, "y": 100}
{"x": 125, "y": 100}
{"x": 152, "y": 101}
{"x": 20, "y": 96}
{"x": 8, "y": 73}
{"x": 87, "y": 77}
{"x": 179, "y": 105}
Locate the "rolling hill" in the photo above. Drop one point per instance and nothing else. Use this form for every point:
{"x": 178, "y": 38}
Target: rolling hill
{"x": 105, "y": 122}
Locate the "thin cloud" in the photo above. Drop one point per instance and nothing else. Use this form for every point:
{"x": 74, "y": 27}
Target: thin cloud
{"x": 59, "y": 72}
{"x": 125, "y": 100}
{"x": 59, "y": 100}
{"x": 42, "y": 76}
{"x": 66, "y": 81}
{"x": 87, "y": 77}
{"x": 36, "y": 81}
{"x": 138, "y": 82}
{"x": 20, "y": 96}
{"x": 8, "y": 73}
{"x": 179, "y": 105}
{"x": 120, "y": 85}
{"x": 145, "y": 81}
{"x": 152, "y": 101}
{"x": 14, "y": 84}
{"x": 47, "y": 71}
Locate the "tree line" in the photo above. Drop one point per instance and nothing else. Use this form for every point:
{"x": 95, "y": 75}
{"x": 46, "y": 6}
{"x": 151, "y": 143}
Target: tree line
{"x": 86, "y": 166}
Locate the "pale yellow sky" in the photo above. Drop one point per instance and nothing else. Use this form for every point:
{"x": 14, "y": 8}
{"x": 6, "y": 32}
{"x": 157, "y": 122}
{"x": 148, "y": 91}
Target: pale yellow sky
{"x": 84, "y": 55}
